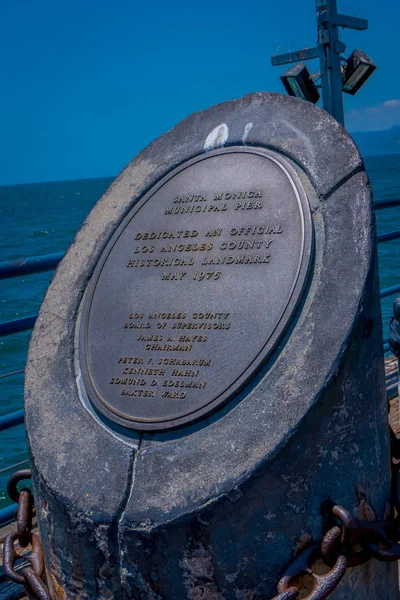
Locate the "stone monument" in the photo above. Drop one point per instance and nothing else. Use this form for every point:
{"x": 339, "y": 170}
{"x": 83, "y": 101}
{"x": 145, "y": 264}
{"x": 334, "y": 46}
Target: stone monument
{"x": 207, "y": 365}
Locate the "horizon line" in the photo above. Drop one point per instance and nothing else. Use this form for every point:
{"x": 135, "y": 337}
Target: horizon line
{"x": 115, "y": 176}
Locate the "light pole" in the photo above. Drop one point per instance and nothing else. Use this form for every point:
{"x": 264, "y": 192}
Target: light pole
{"x": 328, "y": 50}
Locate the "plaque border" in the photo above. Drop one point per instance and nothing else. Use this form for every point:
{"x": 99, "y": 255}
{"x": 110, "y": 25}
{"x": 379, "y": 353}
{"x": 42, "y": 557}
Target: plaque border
{"x": 294, "y": 297}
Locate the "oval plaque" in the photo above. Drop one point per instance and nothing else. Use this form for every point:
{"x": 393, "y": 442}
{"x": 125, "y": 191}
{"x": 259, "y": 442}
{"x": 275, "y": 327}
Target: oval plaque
{"x": 195, "y": 288}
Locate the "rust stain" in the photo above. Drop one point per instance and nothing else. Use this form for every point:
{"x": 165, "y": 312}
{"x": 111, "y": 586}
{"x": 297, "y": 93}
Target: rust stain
{"x": 56, "y": 589}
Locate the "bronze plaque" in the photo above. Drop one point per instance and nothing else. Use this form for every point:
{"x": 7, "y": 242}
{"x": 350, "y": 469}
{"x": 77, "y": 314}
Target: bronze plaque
{"x": 195, "y": 288}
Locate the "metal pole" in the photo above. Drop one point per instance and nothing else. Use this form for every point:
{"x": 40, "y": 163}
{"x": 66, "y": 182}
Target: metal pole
{"x": 330, "y": 45}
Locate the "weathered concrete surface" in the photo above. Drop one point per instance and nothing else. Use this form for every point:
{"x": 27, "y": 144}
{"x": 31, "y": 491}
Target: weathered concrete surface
{"x": 214, "y": 510}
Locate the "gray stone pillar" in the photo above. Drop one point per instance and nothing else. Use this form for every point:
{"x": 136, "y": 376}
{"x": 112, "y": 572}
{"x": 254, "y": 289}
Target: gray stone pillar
{"x": 150, "y": 495}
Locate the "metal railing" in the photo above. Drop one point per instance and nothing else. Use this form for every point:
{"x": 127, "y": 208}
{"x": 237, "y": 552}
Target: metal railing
{"x": 11, "y": 419}
{"x": 386, "y": 203}
{"x": 39, "y": 264}
{"x": 9, "y": 269}
{"x": 8, "y": 513}
{"x": 28, "y": 266}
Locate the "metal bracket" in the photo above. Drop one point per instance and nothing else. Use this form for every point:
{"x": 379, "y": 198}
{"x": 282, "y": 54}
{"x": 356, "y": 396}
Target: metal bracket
{"x": 295, "y": 56}
{"x": 343, "y": 20}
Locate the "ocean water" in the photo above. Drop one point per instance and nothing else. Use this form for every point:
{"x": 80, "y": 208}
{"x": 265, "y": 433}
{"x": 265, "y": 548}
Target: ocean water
{"x": 43, "y": 218}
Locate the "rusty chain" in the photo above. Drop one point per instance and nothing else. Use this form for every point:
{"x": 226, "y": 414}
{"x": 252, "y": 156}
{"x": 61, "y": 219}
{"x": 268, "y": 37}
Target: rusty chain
{"x": 348, "y": 543}
{"x": 30, "y": 577}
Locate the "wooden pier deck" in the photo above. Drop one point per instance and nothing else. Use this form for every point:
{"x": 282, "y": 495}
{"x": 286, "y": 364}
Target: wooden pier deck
{"x": 392, "y": 386}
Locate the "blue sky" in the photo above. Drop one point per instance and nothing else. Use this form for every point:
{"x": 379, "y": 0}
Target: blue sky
{"x": 87, "y": 84}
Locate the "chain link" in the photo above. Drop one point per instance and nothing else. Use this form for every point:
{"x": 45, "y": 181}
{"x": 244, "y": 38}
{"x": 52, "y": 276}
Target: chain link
{"x": 323, "y": 584}
{"x": 30, "y": 577}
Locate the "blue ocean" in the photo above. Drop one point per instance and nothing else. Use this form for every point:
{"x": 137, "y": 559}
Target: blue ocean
{"x": 43, "y": 218}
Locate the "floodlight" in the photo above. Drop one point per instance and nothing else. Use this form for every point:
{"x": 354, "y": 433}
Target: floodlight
{"x": 356, "y": 71}
{"x": 297, "y": 81}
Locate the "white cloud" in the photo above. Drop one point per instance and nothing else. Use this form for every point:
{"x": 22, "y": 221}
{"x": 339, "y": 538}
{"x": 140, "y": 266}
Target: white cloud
{"x": 374, "y": 118}
{"x": 391, "y": 103}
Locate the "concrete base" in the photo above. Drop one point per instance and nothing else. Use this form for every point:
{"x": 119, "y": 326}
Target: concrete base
{"x": 215, "y": 510}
